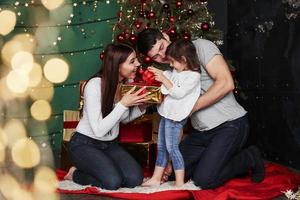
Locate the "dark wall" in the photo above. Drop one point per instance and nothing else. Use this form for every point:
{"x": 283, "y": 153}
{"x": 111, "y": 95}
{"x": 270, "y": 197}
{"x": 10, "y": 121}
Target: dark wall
{"x": 265, "y": 45}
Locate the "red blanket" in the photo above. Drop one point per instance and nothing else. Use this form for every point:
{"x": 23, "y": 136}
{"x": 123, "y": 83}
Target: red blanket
{"x": 278, "y": 179}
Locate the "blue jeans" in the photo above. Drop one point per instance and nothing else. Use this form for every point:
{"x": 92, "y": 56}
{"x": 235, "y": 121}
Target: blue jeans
{"x": 103, "y": 163}
{"x": 167, "y": 144}
{"x": 213, "y": 157}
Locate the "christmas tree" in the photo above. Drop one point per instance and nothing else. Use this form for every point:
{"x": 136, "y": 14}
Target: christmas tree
{"x": 179, "y": 19}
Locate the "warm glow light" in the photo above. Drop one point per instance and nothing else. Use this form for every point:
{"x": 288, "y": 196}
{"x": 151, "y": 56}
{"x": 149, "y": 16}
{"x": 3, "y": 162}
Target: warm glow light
{"x": 45, "y": 180}
{"x": 52, "y": 4}
{"x": 14, "y": 130}
{"x": 40, "y": 110}
{"x": 27, "y": 41}
{"x": 56, "y": 70}
{"x": 25, "y": 153}
{"x": 2, "y": 153}
{"x": 22, "y": 60}
{"x": 8, "y": 21}
{"x": 3, "y": 143}
{"x": 6, "y": 94}
{"x": 9, "y": 186}
{"x": 35, "y": 75}
{"x": 21, "y": 42}
{"x": 44, "y": 90}
{"x": 17, "y": 81}
{"x": 23, "y": 194}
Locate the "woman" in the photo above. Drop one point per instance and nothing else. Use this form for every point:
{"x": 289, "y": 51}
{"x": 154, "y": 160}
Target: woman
{"x": 93, "y": 149}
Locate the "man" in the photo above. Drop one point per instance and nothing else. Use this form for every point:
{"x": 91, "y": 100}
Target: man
{"x": 213, "y": 152}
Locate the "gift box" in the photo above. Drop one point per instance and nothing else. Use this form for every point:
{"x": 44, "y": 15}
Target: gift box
{"x": 155, "y": 96}
{"x": 71, "y": 119}
{"x": 144, "y": 153}
{"x": 139, "y": 130}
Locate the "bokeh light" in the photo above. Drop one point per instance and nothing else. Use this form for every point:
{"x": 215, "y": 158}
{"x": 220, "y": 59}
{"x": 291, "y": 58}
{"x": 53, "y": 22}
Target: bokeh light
{"x": 17, "y": 81}
{"x": 52, "y": 4}
{"x": 35, "y": 75}
{"x": 25, "y": 153}
{"x": 44, "y": 90}
{"x": 14, "y": 130}
{"x": 56, "y": 70}
{"x": 45, "y": 180}
{"x": 9, "y": 186}
{"x": 3, "y": 143}
{"x": 40, "y": 110}
{"x": 22, "y": 60}
{"x": 8, "y": 21}
{"x": 27, "y": 41}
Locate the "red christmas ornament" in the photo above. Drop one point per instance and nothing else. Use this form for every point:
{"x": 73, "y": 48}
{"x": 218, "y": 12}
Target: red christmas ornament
{"x": 172, "y": 32}
{"x": 148, "y": 76}
{"x": 121, "y": 37}
{"x": 137, "y": 24}
{"x": 143, "y": 1}
{"x": 141, "y": 71}
{"x": 205, "y": 26}
{"x": 172, "y": 19}
{"x": 179, "y": 4}
{"x": 147, "y": 59}
{"x": 133, "y": 38}
{"x": 151, "y": 15}
{"x": 186, "y": 36}
{"x": 237, "y": 91}
{"x": 101, "y": 56}
{"x": 120, "y": 14}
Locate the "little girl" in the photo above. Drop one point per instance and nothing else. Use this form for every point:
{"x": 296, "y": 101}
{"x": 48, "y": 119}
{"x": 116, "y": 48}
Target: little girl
{"x": 182, "y": 89}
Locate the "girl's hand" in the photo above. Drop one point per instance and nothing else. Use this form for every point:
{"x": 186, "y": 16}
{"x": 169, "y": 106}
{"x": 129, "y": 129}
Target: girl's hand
{"x": 134, "y": 99}
{"x": 158, "y": 74}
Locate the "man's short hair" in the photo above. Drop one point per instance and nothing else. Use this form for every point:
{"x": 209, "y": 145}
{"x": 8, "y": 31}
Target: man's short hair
{"x": 147, "y": 39}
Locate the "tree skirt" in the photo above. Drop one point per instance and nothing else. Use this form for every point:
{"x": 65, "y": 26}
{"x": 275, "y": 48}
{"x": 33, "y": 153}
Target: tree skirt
{"x": 278, "y": 180}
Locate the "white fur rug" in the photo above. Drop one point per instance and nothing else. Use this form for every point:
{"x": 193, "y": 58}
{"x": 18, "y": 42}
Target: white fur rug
{"x": 70, "y": 185}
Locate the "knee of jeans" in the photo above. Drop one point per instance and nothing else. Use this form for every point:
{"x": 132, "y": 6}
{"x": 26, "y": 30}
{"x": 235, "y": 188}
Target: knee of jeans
{"x": 112, "y": 183}
{"x": 204, "y": 182}
{"x": 133, "y": 180}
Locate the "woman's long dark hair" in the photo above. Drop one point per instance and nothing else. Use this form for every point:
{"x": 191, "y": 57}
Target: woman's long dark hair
{"x": 185, "y": 48}
{"x": 114, "y": 55}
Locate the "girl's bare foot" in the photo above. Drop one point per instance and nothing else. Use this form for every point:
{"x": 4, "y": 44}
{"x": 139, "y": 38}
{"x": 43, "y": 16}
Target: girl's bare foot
{"x": 69, "y": 175}
{"x": 151, "y": 182}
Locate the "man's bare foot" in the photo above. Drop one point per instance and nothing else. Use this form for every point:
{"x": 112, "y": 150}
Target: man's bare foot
{"x": 151, "y": 182}
{"x": 69, "y": 175}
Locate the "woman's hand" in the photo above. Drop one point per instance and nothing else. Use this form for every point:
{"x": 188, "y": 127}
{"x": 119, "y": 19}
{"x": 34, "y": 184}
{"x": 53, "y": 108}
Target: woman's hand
{"x": 134, "y": 99}
{"x": 158, "y": 74}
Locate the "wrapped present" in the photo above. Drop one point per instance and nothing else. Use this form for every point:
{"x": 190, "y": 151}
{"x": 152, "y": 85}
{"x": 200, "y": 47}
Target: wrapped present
{"x": 139, "y": 130}
{"x": 144, "y": 153}
{"x": 71, "y": 119}
{"x": 155, "y": 95}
